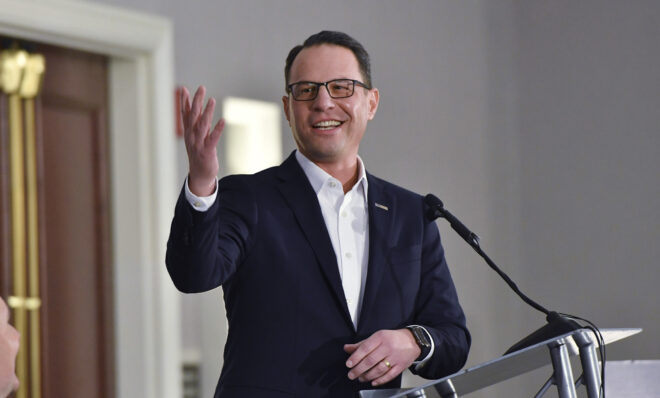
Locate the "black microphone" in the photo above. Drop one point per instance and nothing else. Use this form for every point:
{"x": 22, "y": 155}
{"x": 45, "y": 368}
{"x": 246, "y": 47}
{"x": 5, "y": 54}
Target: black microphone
{"x": 558, "y": 324}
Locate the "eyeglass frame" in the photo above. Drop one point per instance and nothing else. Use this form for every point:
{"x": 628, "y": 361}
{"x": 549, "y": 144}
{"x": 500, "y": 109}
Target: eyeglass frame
{"x": 318, "y": 88}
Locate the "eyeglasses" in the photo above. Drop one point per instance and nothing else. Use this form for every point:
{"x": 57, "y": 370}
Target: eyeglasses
{"x": 338, "y": 88}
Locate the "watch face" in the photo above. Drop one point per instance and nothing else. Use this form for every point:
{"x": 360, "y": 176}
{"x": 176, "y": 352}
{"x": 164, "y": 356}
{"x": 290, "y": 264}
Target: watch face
{"x": 422, "y": 340}
{"x": 420, "y": 336}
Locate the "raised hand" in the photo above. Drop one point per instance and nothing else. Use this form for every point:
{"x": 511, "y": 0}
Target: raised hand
{"x": 200, "y": 141}
{"x": 381, "y": 357}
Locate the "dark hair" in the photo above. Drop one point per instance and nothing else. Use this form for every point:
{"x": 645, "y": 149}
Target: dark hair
{"x": 334, "y": 38}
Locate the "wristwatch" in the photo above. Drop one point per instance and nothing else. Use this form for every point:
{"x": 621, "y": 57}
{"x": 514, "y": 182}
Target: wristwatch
{"x": 422, "y": 339}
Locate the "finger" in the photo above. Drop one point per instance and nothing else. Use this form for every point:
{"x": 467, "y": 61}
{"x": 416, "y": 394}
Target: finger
{"x": 197, "y": 103}
{"x": 350, "y": 348}
{"x": 213, "y": 138}
{"x": 388, "y": 376}
{"x": 204, "y": 122}
{"x": 185, "y": 106}
{"x": 365, "y": 347}
{"x": 377, "y": 371}
{"x": 373, "y": 361}
{"x": 188, "y": 136}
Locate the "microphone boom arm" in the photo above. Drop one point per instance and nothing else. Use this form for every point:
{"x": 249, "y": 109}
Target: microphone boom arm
{"x": 557, "y": 324}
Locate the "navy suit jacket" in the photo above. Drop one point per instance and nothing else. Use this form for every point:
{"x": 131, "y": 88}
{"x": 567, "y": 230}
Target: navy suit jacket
{"x": 265, "y": 241}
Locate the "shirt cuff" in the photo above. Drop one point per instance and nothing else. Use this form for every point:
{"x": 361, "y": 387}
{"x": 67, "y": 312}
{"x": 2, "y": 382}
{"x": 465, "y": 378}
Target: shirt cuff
{"x": 421, "y": 363}
{"x": 200, "y": 203}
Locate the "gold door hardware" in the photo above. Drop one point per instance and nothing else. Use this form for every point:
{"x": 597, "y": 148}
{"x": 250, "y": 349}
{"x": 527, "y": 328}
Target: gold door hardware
{"x": 28, "y": 303}
{"x": 21, "y": 76}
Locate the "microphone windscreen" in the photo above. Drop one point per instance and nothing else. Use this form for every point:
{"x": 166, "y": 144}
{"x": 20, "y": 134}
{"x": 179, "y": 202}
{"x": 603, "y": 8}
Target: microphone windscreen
{"x": 433, "y": 201}
{"x": 434, "y": 207}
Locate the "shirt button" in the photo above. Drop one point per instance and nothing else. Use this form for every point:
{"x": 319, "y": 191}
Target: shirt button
{"x": 332, "y": 184}
{"x": 197, "y": 204}
{"x": 349, "y": 301}
{"x": 349, "y": 255}
{"x": 344, "y": 214}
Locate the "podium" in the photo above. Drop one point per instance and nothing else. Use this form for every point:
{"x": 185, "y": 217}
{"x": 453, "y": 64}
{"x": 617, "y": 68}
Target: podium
{"x": 556, "y": 351}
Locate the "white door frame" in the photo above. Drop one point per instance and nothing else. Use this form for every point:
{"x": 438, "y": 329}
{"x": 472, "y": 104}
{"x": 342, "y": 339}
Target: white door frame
{"x": 143, "y": 174}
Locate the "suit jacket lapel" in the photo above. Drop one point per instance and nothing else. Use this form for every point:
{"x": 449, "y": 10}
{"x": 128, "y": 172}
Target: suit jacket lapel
{"x": 302, "y": 200}
{"x": 381, "y": 208}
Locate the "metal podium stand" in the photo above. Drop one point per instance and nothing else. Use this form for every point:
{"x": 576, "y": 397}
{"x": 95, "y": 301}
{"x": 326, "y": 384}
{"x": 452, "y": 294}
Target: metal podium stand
{"x": 556, "y": 351}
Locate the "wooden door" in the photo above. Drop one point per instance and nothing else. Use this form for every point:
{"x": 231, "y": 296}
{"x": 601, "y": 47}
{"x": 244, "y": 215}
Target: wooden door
{"x": 75, "y": 278}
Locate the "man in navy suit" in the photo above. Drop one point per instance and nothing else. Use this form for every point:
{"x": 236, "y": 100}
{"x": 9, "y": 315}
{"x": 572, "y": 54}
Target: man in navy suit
{"x": 334, "y": 281}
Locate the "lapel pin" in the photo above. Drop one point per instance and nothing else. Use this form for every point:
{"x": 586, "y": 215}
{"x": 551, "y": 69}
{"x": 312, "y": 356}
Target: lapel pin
{"x": 381, "y": 206}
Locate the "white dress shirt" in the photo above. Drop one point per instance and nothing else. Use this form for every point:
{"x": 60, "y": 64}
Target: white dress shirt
{"x": 347, "y": 220}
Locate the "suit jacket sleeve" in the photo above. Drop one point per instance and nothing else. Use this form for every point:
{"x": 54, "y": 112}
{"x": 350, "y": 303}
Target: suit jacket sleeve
{"x": 204, "y": 248}
{"x": 438, "y": 310}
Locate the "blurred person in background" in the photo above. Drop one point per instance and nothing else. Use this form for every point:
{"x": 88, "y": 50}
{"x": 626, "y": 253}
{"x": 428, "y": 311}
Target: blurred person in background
{"x": 9, "y": 339}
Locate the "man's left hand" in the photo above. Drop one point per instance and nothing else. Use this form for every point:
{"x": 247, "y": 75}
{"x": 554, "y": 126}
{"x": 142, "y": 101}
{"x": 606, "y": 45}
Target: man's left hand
{"x": 381, "y": 357}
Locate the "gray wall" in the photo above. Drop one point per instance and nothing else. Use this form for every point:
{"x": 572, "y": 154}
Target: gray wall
{"x": 590, "y": 144}
{"x": 535, "y": 122}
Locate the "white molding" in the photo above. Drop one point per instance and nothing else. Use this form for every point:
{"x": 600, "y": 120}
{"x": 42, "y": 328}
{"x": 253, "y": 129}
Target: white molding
{"x": 147, "y": 329}
{"x": 85, "y": 26}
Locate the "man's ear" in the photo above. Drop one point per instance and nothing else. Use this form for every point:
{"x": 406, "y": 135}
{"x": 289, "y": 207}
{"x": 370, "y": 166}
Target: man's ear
{"x": 374, "y": 96}
{"x": 285, "y": 104}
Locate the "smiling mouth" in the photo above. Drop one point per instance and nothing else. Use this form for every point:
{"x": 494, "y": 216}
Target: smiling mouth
{"x": 327, "y": 124}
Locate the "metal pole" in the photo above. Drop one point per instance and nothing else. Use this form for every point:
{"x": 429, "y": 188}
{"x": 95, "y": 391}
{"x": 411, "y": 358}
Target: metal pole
{"x": 589, "y": 359}
{"x": 563, "y": 375}
{"x": 446, "y": 389}
{"x": 545, "y": 387}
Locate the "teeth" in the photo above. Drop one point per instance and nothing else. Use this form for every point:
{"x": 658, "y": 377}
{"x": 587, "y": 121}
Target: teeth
{"x": 327, "y": 123}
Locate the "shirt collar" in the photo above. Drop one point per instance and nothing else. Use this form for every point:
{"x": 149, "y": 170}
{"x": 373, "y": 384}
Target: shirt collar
{"x": 317, "y": 176}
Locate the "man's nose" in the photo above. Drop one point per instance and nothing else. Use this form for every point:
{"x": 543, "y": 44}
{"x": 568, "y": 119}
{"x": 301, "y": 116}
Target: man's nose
{"x": 323, "y": 99}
